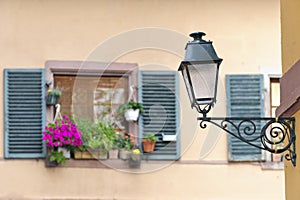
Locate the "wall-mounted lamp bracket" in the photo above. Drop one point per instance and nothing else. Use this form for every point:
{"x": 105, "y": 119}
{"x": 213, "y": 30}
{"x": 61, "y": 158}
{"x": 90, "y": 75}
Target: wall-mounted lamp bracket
{"x": 200, "y": 69}
{"x": 277, "y": 135}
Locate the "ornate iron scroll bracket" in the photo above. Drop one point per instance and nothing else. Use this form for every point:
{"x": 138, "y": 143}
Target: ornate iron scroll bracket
{"x": 277, "y": 135}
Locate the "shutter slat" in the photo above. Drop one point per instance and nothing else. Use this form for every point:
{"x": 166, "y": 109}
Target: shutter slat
{"x": 244, "y": 99}
{"x": 24, "y": 112}
{"x": 159, "y": 94}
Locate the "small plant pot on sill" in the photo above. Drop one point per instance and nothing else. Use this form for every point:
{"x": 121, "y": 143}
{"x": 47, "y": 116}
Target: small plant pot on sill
{"x": 49, "y": 163}
{"x": 132, "y": 115}
{"x": 124, "y": 154}
{"x": 134, "y": 161}
{"x": 148, "y": 145}
{"x": 99, "y": 154}
{"x": 114, "y": 154}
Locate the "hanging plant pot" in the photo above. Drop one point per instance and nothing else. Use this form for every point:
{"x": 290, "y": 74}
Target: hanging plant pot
{"x": 132, "y": 115}
{"x": 52, "y": 100}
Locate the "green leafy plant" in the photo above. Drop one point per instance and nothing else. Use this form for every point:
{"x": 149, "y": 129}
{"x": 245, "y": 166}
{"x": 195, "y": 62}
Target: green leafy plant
{"x": 54, "y": 92}
{"x": 108, "y": 133}
{"x": 131, "y": 105}
{"x": 126, "y": 141}
{"x": 57, "y": 156}
{"x": 118, "y": 142}
{"x": 150, "y": 137}
{"x": 88, "y": 130}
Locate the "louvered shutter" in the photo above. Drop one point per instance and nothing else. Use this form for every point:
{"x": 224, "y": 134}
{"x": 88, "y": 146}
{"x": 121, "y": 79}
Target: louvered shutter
{"x": 24, "y": 113}
{"x": 159, "y": 93}
{"x": 244, "y": 99}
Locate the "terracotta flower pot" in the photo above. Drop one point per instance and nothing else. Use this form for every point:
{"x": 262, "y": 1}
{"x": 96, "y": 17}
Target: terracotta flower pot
{"x": 148, "y": 145}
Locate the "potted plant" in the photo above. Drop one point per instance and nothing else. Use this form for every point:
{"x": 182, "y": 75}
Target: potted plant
{"x": 88, "y": 131}
{"x": 131, "y": 110}
{"x": 98, "y": 139}
{"x": 108, "y": 133}
{"x": 116, "y": 145}
{"x": 149, "y": 140}
{"x": 127, "y": 144}
{"x": 134, "y": 160}
{"x": 52, "y": 97}
{"x": 61, "y": 134}
{"x": 98, "y": 146}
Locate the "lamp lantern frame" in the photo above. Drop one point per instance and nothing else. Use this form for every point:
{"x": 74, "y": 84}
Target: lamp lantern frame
{"x": 200, "y": 71}
{"x": 201, "y": 67}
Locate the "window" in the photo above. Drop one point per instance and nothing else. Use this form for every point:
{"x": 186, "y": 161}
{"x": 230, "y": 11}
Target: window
{"x": 24, "y": 113}
{"x": 274, "y": 95}
{"x": 92, "y": 89}
{"x": 90, "y": 96}
{"x": 158, "y": 90}
{"x": 244, "y": 99}
{"x": 274, "y": 103}
{"x": 86, "y": 94}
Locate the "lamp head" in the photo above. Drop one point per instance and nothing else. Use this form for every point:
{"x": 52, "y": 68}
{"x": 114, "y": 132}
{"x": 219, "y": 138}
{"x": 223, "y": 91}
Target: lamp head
{"x": 200, "y": 69}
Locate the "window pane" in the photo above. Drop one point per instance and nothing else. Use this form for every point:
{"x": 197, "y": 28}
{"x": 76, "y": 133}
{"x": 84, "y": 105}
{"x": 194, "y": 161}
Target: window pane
{"x": 275, "y": 93}
{"x": 203, "y": 78}
{"x": 93, "y": 97}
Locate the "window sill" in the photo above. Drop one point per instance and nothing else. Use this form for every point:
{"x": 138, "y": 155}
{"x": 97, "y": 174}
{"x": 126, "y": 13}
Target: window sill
{"x": 122, "y": 164}
{"x": 111, "y": 163}
{"x": 272, "y": 165}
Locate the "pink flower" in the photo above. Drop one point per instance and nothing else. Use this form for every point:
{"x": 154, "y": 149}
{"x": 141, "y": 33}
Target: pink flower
{"x": 62, "y": 133}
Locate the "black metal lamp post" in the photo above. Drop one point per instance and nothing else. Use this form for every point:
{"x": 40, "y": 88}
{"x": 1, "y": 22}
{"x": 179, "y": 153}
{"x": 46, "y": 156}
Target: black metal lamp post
{"x": 200, "y": 70}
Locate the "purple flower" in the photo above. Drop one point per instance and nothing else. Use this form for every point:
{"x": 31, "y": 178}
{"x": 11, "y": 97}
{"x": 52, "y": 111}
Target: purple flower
{"x": 62, "y": 133}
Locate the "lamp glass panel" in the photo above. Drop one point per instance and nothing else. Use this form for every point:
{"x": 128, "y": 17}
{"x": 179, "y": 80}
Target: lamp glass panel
{"x": 187, "y": 84}
{"x": 203, "y": 78}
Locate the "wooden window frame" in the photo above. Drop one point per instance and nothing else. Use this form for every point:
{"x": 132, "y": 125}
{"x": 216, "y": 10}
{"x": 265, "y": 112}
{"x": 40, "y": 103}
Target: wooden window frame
{"x": 86, "y": 68}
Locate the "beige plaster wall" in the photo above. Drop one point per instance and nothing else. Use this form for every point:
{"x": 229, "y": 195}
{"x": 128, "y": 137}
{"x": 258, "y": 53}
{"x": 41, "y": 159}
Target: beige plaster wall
{"x": 290, "y": 31}
{"x": 246, "y": 34}
{"x": 174, "y": 182}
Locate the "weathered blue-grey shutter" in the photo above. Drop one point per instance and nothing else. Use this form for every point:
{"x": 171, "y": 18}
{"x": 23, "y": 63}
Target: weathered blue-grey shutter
{"x": 24, "y": 113}
{"x": 244, "y": 99}
{"x": 159, "y": 93}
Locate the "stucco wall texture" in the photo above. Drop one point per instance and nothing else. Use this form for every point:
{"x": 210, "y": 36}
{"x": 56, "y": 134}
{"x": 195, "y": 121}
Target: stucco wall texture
{"x": 246, "y": 34}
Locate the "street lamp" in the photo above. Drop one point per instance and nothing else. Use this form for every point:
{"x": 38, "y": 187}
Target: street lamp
{"x": 200, "y": 69}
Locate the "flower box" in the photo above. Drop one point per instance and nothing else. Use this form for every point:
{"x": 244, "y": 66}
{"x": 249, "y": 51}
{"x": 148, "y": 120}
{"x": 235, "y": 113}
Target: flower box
{"x": 82, "y": 155}
{"x": 93, "y": 154}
